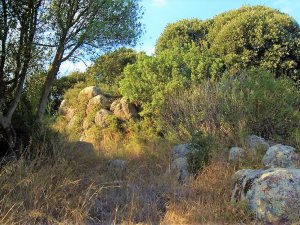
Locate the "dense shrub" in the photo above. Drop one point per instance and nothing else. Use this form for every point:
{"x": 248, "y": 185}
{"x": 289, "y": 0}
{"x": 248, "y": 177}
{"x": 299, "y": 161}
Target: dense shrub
{"x": 253, "y": 102}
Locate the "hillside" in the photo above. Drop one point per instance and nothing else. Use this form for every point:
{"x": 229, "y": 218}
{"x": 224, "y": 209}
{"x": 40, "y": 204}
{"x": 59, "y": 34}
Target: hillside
{"x": 204, "y": 131}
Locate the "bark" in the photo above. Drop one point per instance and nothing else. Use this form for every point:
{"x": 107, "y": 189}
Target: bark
{"x": 51, "y": 75}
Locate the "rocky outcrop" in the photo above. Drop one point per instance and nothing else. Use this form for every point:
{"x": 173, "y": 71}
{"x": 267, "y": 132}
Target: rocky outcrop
{"x": 272, "y": 195}
{"x": 255, "y": 142}
{"x": 179, "y": 166}
{"x": 95, "y": 110}
{"x": 123, "y": 109}
{"x": 102, "y": 118}
{"x": 90, "y": 92}
{"x": 281, "y": 156}
{"x": 236, "y": 154}
{"x": 99, "y": 102}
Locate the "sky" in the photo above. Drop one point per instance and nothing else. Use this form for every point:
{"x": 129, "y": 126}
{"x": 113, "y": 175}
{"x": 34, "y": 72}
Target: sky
{"x": 159, "y": 13}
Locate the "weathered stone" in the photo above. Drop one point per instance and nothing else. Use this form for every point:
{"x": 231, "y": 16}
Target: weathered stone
{"x": 62, "y": 110}
{"x": 90, "y": 92}
{"x": 179, "y": 168}
{"x": 256, "y": 142}
{"x": 272, "y": 195}
{"x": 102, "y": 118}
{"x": 236, "y": 154}
{"x": 281, "y": 156}
{"x": 99, "y": 102}
{"x": 117, "y": 165}
{"x": 123, "y": 109}
{"x": 181, "y": 150}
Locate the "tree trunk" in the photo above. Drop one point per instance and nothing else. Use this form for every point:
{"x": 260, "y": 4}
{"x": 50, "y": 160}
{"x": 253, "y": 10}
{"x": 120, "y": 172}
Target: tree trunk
{"x": 51, "y": 75}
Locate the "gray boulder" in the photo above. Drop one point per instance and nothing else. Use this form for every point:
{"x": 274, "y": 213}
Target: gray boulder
{"x": 236, "y": 154}
{"x": 181, "y": 150}
{"x": 272, "y": 195}
{"x": 256, "y": 142}
{"x": 281, "y": 156}
{"x": 90, "y": 92}
{"x": 99, "y": 101}
{"x": 102, "y": 118}
{"x": 123, "y": 109}
{"x": 117, "y": 165}
{"x": 179, "y": 166}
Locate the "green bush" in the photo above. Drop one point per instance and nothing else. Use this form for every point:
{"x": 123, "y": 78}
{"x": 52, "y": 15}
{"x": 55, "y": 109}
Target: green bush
{"x": 200, "y": 151}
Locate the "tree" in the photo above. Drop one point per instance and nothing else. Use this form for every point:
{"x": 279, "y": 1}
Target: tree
{"x": 182, "y": 34}
{"x": 76, "y": 27}
{"x": 19, "y": 22}
{"x": 108, "y": 68}
{"x": 257, "y": 37}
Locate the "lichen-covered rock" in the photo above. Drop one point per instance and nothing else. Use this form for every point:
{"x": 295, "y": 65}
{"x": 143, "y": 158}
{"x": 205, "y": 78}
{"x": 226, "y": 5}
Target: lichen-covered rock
{"x": 179, "y": 166}
{"x": 236, "y": 154}
{"x": 181, "y": 150}
{"x": 102, "y": 118}
{"x": 123, "y": 109}
{"x": 256, "y": 142}
{"x": 281, "y": 156}
{"x": 90, "y": 92}
{"x": 272, "y": 195}
{"x": 117, "y": 165}
{"x": 99, "y": 102}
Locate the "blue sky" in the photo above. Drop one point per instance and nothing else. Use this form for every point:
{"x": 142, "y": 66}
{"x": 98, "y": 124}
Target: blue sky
{"x": 159, "y": 13}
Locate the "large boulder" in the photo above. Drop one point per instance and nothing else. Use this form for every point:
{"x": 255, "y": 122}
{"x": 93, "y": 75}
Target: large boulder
{"x": 272, "y": 195}
{"x": 90, "y": 92}
{"x": 256, "y": 142}
{"x": 99, "y": 102}
{"x": 179, "y": 166}
{"x": 281, "y": 156}
{"x": 102, "y": 118}
{"x": 236, "y": 154}
{"x": 65, "y": 110}
{"x": 123, "y": 109}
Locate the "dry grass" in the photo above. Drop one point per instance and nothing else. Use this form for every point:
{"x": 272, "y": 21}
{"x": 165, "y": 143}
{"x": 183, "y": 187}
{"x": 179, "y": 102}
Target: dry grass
{"x": 78, "y": 187}
{"x": 208, "y": 200}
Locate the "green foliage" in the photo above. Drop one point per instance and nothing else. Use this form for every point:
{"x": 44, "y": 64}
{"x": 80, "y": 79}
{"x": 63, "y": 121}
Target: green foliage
{"x": 256, "y": 37}
{"x": 200, "y": 151}
{"x": 108, "y": 68}
{"x": 181, "y": 34}
{"x": 151, "y": 78}
{"x": 267, "y": 106}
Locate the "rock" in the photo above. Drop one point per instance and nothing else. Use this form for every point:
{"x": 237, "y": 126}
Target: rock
{"x": 62, "y": 110}
{"x": 272, "y": 195}
{"x": 102, "y": 118}
{"x": 117, "y": 165}
{"x": 256, "y": 142}
{"x": 123, "y": 109}
{"x": 236, "y": 154}
{"x": 99, "y": 101}
{"x": 281, "y": 156}
{"x": 181, "y": 150}
{"x": 90, "y": 92}
{"x": 179, "y": 166}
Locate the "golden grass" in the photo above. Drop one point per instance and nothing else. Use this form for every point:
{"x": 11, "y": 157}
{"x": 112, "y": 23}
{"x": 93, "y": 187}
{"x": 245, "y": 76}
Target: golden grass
{"x": 78, "y": 187}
